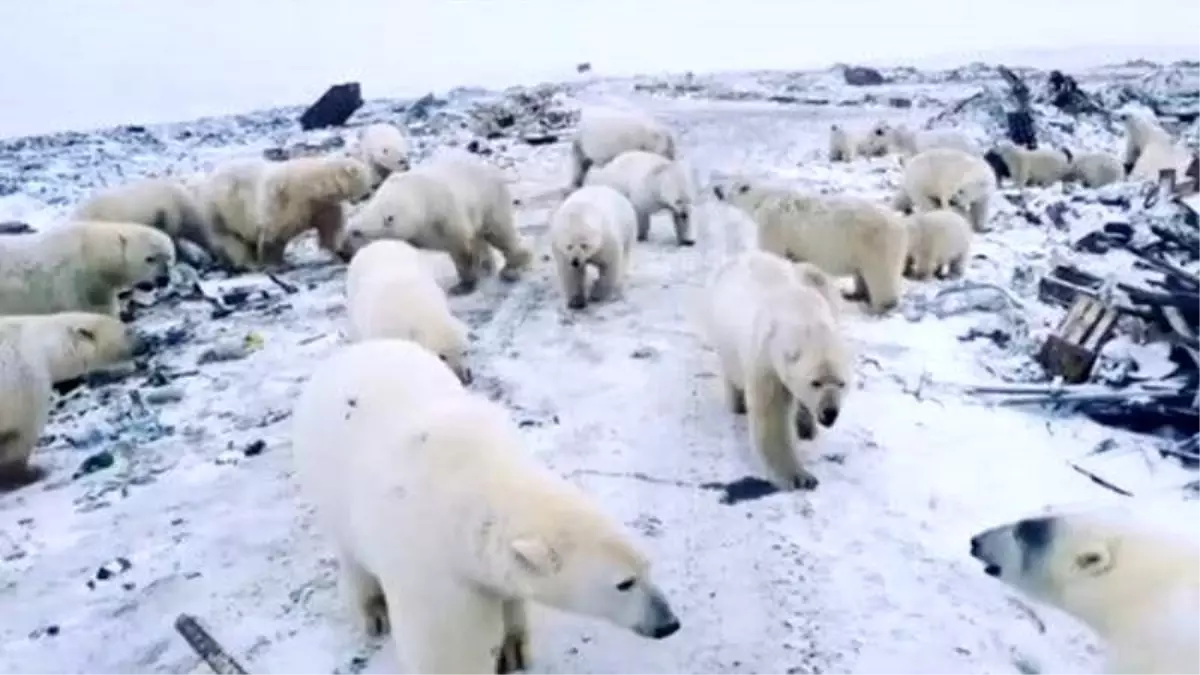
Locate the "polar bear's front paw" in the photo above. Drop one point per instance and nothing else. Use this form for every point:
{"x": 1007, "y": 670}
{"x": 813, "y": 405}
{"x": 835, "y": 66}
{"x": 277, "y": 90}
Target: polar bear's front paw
{"x": 577, "y": 302}
{"x": 513, "y": 654}
{"x": 375, "y": 617}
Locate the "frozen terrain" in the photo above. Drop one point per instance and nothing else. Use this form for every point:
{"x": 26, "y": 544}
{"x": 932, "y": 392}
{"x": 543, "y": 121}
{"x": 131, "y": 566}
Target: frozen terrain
{"x": 199, "y": 512}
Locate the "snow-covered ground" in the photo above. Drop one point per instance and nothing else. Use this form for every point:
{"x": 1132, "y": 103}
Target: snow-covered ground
{"x": 199, "y": 512}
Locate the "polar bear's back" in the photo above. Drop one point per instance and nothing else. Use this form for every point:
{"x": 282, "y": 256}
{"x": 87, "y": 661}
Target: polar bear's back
{"x": 477, "y": 185}
{"x": 631, "y": 173}
{"x": 140, "y": 201}
{"x": 229, "y": 195}
{"x": 606, "y": 132}
{"x": 829, "y": 231}
{"x": 600, "y": 206}
{"x": 390, "y": 291}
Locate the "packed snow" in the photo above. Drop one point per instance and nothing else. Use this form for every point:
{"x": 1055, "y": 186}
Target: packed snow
{"x": 198, "y": 511}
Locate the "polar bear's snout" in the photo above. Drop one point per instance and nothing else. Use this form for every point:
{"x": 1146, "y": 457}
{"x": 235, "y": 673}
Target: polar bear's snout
{"x": 658, "y": 619}
{"x": 1013, "y": 550}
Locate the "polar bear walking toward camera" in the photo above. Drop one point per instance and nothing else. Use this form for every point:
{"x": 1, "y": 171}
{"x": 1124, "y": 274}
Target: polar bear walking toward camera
{"x": 652, "y": 183}
{"x": 455, "y": 203}
{"x": 939, "y": 243}
{"x": 1132, "y": 574}
{"x": 384, "y": 148}
{"x": 843, "y": 235}
{"x": 444, "y": 525}
{"x": 391, "y": 294}
{"x": 783, "y": 359}
{"x": 594, "y": 226}
{"x": 604, "y": 133}
{"x": 944, "y": 178}
{"x": 81, "y": 266}
{"x": 37, "y": 351}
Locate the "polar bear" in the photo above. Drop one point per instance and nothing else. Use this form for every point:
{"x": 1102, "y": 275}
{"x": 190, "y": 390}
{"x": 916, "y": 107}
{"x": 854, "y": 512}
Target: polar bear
{"x": 1132, "y": 574}
{"x": 1157, "y": 157}
{"x": 1142, "y": 130}
{"x": 908, "y": 143}
{"x": 841, "y": 146}
{"x": 603, "y": 133}
{"x": 841, "y": 234}
{"x": 652, "y": 183}
{"x": 939, "y": 242}
{"x": 384, "y": 148}
{"x": 875, "y": 142}
{"x": 815, "y": 278}
{"x": 390, "y": 294}
{"x": 1040, "y": 167}
{"x": 256, "y": 207}
{"x": 454, "y": 203}
{"x": 81, "y": 266}
{"x": 165, "y": 204}
{"x": 595, "y": 225}
{"x": 445, "y": 525}
{"x": 37, "y": 351}
{"x": 1095, "y": 169}
{"x": 948, "y": 178}
{"x": 783, "y": 358}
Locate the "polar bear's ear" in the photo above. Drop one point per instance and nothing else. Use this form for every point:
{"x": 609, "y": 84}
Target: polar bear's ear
{"x": 535, "y": 555}
{"x": 1093, "y": 561}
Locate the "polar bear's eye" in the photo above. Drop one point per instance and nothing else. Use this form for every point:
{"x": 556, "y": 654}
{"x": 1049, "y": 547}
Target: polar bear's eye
{"x": 816, "y": 384}
{"x": 389, "y": 220}
{"x": 626, "y": 585}
{"x": 87, "y": 334}
{"x": 443, "y": 358}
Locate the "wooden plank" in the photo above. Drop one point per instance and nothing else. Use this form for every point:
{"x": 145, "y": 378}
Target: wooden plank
{"x": 1071, "y": 351}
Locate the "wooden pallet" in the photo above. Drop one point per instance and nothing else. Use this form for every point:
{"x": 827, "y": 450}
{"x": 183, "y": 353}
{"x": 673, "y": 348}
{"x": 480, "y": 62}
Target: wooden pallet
{"x": 1071, "y": 351}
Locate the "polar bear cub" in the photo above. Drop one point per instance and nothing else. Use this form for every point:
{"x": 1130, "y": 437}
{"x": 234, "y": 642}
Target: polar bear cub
{"x": 1132, "y": 574}
{"x": 1039, "y": 167}
{"x": 455, "y": 203}
{"x": 843, "y": 235}
{"x": 948, "y": 178}
{"x": 35, "y": 353}
{"x": 81, "y": 266}
{"x": 939, "y": 242}
{"x": 595, "y": 225}
{"x": 390, "y": 294}
{"x": 783, "y": 358}
{"x": 445, "y": 525}
{"x": 384, "y": 148}
{"x": 652, "y": 183}
{"x": 603, "y": 133}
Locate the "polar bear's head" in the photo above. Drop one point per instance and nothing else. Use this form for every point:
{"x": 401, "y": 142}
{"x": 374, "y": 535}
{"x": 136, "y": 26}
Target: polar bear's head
{"x": 127, "y": 254}
{"x": 75, "y": 343}
{"x": 902, "y": 140}
{"x": 877, "y": 141}
{"x": 577, "y": 240}
{"x": 594, "y": 574}
{"x": 812, "y": 360}
{"x": 1103, "y": 566}
{"x": 738, "y": 192}
{"x": 392, "y": 213}
{"x": 449, "y": 340}
{"x": 674, "y": 190}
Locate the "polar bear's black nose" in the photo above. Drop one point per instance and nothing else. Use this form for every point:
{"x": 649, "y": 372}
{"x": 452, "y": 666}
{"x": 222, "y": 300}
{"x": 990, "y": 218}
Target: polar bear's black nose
{"x": 575, "y": 262}
{"x": 664, "y": 630}
{"x": 828, "y": 417}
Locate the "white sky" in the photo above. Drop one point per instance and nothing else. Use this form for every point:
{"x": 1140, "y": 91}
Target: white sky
{"x": 78, "y": 63}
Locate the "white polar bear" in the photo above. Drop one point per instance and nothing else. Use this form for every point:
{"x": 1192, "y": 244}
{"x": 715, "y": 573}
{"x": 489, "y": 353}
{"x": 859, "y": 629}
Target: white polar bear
{"x": 603, "y": 133}
{"x": 36, "y": 352}
{"x": 815, "y": 278}
{"x": 783, "y": 358}
{"x": 939, "y": 242}
{"x": 652, "y": 183}
{"x": 391, "y": 294}
{"x": 454, "y": 203}
{"x": 841, "y": 146}
{"x": 81, "y": 266}
{"x": 445, "y": 525}
{"x": 948, "y": 178}
{"x": 1095, "y": 169}
{"x": 1141, "y": 131}
{"x": 843, "y": 235}
{"x": 595, "y": 225}
{"x": 1130, "y": 573}
{"x": 384, "y": 148}
{"x": 908, "y": 143}
{"x": 166, "y": 204}
{"x": 1041, "y": 167}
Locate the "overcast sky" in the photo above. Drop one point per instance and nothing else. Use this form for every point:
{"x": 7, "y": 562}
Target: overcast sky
{"x": 68, "y": 63}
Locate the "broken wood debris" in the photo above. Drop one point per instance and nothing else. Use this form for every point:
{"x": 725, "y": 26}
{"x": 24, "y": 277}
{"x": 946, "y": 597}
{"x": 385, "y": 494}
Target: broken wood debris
{"x": 203, "y": 643}
{"x": 1072, "y": 350}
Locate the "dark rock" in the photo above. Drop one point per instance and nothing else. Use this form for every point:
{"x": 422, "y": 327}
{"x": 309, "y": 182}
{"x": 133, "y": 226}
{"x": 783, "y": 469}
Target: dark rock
{"x": 97, "y": 462}
{"x": 334, "y": 107}
{"x": 540, "y": 139}
{"x": 584, "y": 67}
{"x": 900, "y": 102}
{"x": 861, "y": 76}
{"x": 15, "y": 227}
{"x": 255, "y": 448}
{"x": 421, "y": 108}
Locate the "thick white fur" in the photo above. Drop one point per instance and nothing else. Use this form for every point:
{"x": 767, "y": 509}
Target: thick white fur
{"x": 454, "y": 203}
{"x": 444, "y": 525}
{"x": 165, "y": 204}
{"x": 1130, "y": 572}
{"x": 949, "y": 178}
{"x": 384, "y": 148}
{"x": 37, "y": 351}
{"x": 1040, "y": 168}
{"x": 390, "y": 294}
{"x": 595, "y": 225}
{"x": 1141, "y": 131}
{"x": 783, "y": 359}
{"x": 603, "y": 133}
{"x": 939, "y": 242}
{"x": 907, "y": 143}
{"x": 841, "y": 146}
{"x": 1095, "y": 169}
{"x": 81, "y": 266}
{"x": 843, "y": 235}
{"x": 652, "y": 183}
